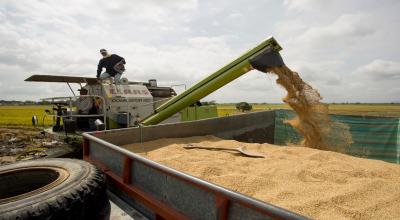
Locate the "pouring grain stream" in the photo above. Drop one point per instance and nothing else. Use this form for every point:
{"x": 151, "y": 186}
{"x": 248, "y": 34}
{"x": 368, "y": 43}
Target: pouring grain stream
{"x": 312, "y": 119}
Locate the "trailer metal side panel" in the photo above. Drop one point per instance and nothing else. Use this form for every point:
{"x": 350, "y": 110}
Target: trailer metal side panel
{"x": 164, "y": 193}
{"x": 256, "y": 127}
{"x": 111, "y": 159}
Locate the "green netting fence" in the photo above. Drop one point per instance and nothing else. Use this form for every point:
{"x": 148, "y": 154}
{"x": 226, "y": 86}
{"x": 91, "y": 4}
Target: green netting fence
{"x": 373, "y": 137}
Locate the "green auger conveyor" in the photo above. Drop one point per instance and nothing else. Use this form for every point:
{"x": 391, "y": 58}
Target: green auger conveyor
{"x": 260, "y": 57}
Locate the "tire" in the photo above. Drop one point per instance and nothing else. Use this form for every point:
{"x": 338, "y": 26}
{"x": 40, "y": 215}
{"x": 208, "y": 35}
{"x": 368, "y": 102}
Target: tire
{"x": 53, "y": 189}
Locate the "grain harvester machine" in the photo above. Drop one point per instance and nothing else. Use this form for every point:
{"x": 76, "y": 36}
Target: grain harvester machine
{"x": 114, "y": 106}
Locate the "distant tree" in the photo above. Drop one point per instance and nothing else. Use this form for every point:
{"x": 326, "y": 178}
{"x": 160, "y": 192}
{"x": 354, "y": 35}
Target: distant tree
{"x": 28, "y": 102}
{"x": 43, "y": 103}
{"x": 208, "y": 103}
{"x": 243, "y": 106}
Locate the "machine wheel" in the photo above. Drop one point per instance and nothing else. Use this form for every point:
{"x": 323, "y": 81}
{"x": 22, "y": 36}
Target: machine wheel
{"x": 53, "y": 189}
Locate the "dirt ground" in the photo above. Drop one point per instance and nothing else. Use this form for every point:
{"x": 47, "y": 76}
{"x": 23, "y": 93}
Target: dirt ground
{"x": 18, "y": 144}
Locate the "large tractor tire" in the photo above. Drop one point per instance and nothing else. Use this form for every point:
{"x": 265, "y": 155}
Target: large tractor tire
{"x": 53, "y": 189}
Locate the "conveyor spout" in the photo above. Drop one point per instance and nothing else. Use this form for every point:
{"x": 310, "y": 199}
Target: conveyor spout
{"x": 264, "y": 55}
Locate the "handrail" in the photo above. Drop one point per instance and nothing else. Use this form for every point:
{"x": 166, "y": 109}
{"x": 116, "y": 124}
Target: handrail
{"x": 70, "y": 98}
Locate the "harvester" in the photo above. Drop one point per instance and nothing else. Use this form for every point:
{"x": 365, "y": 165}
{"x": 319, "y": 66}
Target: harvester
{"x": 145, "y": 103}
{"x": 114, "y": 106}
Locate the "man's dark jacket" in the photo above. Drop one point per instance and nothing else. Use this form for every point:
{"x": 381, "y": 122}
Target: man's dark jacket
{"x": 109, "y": 63}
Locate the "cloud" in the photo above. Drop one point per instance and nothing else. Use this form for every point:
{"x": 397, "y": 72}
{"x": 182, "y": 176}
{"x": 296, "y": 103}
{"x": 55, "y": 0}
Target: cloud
{"x": 68, "y": 48}
{"x": 345, "y": 51}
{"x": 325, "y": 40}
{"x": 307, "y": 5}
{"x": 331, "y": 48}
{"x": 347, "y": 29}
{"x": 381, "y": 70}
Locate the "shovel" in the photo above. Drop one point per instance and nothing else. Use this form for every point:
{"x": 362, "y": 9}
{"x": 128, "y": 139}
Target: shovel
{"x": 241, "y": 150}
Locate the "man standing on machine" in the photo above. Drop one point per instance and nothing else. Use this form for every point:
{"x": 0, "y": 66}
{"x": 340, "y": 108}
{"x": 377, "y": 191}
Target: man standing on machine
{"x": 114, "y": 65}
{"x": 84, "y": 105}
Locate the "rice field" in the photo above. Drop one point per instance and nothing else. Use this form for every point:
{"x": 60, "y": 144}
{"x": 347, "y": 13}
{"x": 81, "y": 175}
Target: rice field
{"x": 22, "y": 115}
{"x": 382, "y": 110}
{"x": 230, "y": 109}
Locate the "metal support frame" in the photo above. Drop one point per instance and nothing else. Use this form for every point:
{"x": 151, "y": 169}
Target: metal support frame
{"x": 183, "y": 84}
{"x": 71, "y": 89}
{"x": 70, "y": 98}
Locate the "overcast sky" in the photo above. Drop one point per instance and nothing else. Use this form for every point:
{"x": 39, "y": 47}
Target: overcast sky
{"x": 349, "y": 50}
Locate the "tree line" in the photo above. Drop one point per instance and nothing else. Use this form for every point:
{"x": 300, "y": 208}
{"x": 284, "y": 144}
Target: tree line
{"x": 14, "y": 102}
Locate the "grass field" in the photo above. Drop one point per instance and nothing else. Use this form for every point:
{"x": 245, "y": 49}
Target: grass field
{"x": 230, "y": 109}
{"x": 384, "y": 110}
{"x": 22, "y": 115}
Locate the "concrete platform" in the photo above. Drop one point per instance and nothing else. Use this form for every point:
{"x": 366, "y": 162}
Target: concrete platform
{"x": 120, "y": 210}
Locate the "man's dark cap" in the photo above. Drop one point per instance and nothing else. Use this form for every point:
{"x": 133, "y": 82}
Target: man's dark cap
{"x": 103, "y": 49}
{"x": 82, "y": 89}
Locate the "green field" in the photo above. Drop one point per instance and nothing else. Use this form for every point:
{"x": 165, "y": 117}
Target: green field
{"x": 384, "y": 110}
{"x": 230, "y": 109}
{"x": 21, "y": 115}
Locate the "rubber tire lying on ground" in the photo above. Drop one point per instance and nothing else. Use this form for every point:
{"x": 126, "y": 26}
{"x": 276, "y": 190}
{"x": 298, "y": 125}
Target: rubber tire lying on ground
{"x": 53, "y": 189}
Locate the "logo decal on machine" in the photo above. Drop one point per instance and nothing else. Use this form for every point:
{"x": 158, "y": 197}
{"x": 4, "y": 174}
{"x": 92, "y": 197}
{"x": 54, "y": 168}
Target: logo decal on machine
{"x": 129, "y": 91}
{"x": 130, "y": 100}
